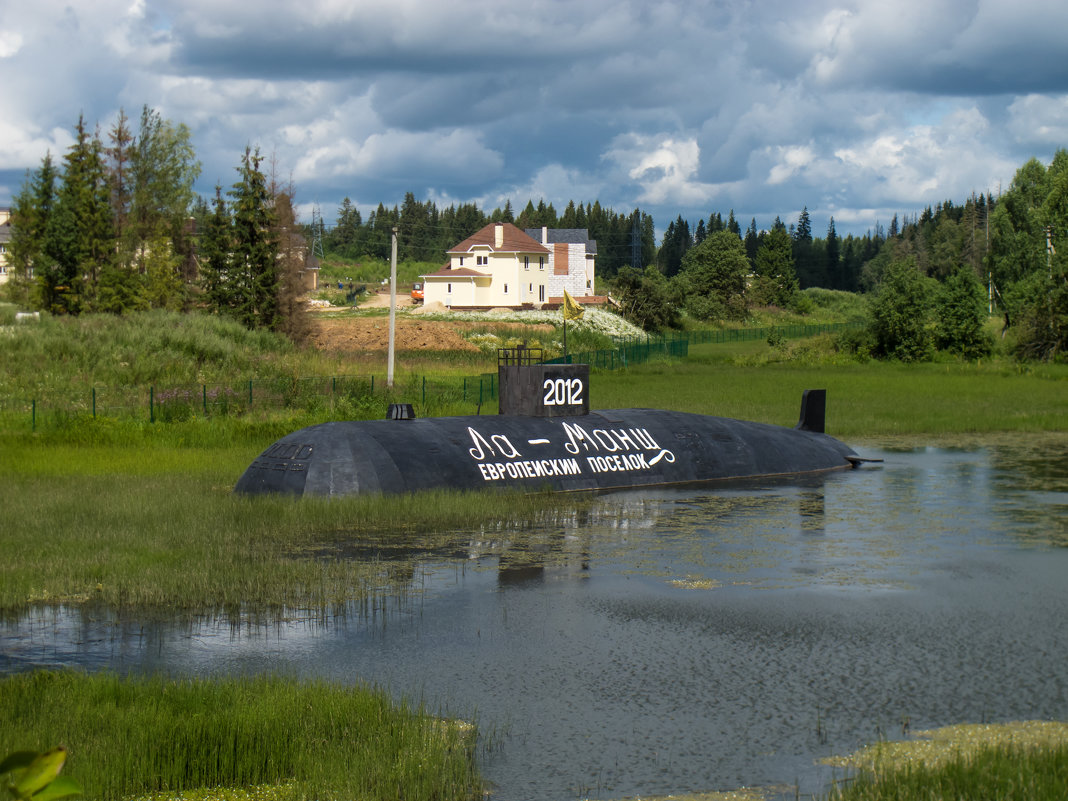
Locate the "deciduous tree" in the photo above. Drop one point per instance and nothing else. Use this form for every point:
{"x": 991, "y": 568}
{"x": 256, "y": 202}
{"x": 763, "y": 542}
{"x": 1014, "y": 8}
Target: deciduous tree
{"x": 717, "y": 269}
{"x": 900, "y": 312}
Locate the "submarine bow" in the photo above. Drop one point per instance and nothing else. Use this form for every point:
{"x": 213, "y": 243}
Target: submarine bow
{"x": 599, "y": 450}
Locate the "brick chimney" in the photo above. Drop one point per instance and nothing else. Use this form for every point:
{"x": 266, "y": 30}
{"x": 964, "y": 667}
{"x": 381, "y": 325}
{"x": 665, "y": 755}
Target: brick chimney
{"x": 498, "y": 236}
{"x": 545, "y": 235}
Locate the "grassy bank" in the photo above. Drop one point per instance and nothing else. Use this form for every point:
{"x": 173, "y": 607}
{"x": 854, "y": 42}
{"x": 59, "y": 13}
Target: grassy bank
{"x": 993, "y": 773}
{"x": 134, "y": 737}
{"x": 864, "y": 399}
{"x": 152, "y": 524}
{"x": 1024, "y": 761}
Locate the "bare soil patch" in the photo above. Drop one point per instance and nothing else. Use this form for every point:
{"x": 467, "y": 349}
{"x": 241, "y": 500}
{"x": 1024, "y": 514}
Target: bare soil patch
{"x": 350, "y": 334}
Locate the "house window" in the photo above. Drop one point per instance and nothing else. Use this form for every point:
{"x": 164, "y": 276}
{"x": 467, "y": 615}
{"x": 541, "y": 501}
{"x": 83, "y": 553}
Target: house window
{"x": 541, "y": 262}
{"x": 481, "y": 260}
{"x": 541, "y": 293}
{"x": 448, "y": 288}
{"x": 526, "y": 262}
{"x": 461, "y": 261}
{"x": 506, "y": 289}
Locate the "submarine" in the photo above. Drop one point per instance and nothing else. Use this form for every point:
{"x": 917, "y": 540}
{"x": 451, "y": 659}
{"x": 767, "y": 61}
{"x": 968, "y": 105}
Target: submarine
{"x": 544, "y": 438}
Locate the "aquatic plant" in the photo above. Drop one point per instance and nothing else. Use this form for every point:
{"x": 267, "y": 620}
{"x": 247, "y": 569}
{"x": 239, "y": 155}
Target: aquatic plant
{"x": 154, "y": 736}
{"x": 32, "y": 776}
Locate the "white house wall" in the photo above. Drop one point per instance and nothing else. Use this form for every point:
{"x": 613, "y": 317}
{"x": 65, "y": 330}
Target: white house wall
{"x": 579, "y": 272}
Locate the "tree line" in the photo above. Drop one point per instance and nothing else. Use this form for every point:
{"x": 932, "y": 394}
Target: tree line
{"x": 425, "y": 232}
{"x": 931, "y": 278}
{"x": 117, "y": 227}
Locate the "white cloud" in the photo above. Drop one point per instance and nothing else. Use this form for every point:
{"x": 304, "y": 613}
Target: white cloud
{"x": 1040, "y": 119}
{"x": 24, "y": 147}
{"x": 456, "y": 154}
{"x": 680, "y": 106}
{"x": 10, "y": 43}
{"x": 664, "y": 166}
{"x": 791, "y": 160}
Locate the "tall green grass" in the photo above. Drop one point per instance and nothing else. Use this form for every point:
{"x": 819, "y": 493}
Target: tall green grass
{"x": 59, "y": 354}
{"x": 308, "y": 740}
{"x": 869, "y": 399}
{"x": 154, "y": 525}
{"x": 1002, "y": 773}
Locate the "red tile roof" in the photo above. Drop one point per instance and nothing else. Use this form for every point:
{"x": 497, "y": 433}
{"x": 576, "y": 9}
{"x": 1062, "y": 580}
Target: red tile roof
{"x": 514, "y": 241}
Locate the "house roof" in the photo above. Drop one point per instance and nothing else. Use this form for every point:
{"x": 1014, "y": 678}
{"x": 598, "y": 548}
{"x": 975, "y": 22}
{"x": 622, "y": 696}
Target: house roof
{"x": 459, "y": 272}
{"x": 513, "y": 241}
{"x": 570, "y": 236}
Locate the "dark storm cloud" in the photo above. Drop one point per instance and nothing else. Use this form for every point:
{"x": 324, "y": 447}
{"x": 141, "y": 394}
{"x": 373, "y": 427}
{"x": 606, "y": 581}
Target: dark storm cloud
{"x": 857, "y": 109}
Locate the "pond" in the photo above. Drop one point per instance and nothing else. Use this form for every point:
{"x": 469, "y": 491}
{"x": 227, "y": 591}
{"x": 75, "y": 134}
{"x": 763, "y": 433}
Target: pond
{"x": 692, "y": 640}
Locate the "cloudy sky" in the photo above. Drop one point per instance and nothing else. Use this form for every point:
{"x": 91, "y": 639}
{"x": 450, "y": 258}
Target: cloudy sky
{"x": 857, "y": 109}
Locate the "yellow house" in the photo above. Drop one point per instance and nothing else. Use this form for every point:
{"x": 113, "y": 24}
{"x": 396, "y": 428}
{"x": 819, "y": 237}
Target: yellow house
{"x": 498, "y": 266}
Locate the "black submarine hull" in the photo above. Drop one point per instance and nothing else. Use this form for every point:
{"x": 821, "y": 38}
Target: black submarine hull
{"x": 602, "y": 450}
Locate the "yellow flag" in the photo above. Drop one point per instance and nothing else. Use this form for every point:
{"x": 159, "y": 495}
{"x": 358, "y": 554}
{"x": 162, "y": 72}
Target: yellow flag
{"x": 572, "y": 311}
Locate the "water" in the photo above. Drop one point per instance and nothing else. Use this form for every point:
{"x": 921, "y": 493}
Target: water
{"x": 682, "y": 641}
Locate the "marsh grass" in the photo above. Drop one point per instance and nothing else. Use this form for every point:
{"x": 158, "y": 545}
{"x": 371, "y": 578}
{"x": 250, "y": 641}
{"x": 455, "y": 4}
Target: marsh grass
{"x": 153, "y": 735}
{"x": 1002, "y": 773}
{"x": 863, "y": 399}
{"x": 1024, "y": 760}
{"x": 151, "y": 525}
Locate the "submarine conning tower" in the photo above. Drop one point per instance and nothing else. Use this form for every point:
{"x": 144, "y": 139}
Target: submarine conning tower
{"x": 544, "y": 437}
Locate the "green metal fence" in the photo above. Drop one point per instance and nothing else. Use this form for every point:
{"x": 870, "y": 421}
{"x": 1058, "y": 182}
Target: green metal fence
{"x": 175, "y": 403}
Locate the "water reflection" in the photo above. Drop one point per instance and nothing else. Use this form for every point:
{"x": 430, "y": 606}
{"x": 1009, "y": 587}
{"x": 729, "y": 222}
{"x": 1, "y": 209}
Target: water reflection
{"x": 686, "y": 640}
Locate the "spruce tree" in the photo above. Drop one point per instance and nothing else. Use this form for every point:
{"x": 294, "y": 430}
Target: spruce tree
{"x": 30, "y": 211}
{"x": 214, "y": 257}
{"x": 79, "y": 234}
{"x": 255, "y": 248}
{"x": 835, "y": 278}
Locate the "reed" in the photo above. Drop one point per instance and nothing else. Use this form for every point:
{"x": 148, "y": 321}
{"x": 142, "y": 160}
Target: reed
{"x": 154, "y": 525}
{"x": 141, "y": 735}
{"x": 1005, "y": 773}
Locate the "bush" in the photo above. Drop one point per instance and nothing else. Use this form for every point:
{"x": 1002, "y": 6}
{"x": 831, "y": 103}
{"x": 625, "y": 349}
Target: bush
{"x": 900, "y": 314}
{"x": 961, "y": 308}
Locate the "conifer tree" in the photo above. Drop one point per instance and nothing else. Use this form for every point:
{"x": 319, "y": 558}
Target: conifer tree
{"x": 30, "y": 211}
{"x": 79, "y": 234}
{"x": 833, "y": 271}
{"x": 214, "y": 259}
{"x": 293, "y": 320}
{"x": 255, "y": 248}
